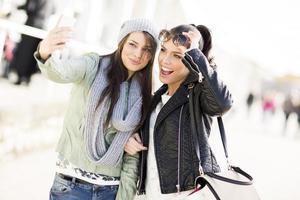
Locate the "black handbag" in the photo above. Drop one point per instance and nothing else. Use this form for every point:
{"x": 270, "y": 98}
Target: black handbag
{"x": 233, "y": 184}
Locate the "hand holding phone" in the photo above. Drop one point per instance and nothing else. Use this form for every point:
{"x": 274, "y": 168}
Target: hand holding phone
{"x": 57, "y": 39}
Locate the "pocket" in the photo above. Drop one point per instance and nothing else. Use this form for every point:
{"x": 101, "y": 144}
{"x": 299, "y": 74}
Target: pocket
{"x": 60, "y": 186}
{"x": 108, "y": 192}
{"x": 112, "y": 188}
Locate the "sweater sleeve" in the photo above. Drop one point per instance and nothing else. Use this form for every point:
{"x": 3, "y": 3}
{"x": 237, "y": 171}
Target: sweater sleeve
{"x": 128, "y": 181}
{"x": 69, "y": 70}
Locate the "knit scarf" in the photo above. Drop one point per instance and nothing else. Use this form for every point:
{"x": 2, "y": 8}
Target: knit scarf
{"x": 125, "y": 118}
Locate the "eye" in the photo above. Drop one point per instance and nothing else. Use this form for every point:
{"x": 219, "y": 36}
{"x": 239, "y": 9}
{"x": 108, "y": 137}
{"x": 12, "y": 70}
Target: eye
{"x": 132, "y": 44}
{"x": 178, "y": 56}
{"x": 162, "y": 49}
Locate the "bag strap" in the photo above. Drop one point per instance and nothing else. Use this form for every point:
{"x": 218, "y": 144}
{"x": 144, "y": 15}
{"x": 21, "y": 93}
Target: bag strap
{"x": 193, "y": 123}
{"x": 224, "y": 142}
{"x": 194, "y": 128}
{"x": 223, "y": 136}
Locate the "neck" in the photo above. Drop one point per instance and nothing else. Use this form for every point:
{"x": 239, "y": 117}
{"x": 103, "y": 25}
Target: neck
{"x": 130, "y": 74}
{"x": 173, "y": 87}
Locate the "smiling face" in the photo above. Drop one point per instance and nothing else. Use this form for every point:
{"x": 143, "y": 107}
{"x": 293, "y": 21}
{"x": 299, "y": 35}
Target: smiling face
{"x": 171, "y": 69}
{"x": 136, "y": 52}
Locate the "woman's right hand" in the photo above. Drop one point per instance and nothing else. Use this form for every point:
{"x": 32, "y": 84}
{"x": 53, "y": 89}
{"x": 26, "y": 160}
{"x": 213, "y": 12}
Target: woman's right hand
{"x": 56, "y": 39}
{"x": 194, "y": 37}
{"x": 134, "y": 145}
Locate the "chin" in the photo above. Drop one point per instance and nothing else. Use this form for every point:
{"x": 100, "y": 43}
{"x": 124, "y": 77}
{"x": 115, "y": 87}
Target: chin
{"x": 130, "y": 68}
{"x": 164, "y": 80}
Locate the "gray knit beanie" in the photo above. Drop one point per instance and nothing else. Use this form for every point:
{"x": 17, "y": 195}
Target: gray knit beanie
{"x": 135, "y": 25}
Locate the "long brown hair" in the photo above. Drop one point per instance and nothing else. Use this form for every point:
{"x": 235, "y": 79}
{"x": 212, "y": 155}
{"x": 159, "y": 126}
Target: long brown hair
{"x": 117, "y": 73}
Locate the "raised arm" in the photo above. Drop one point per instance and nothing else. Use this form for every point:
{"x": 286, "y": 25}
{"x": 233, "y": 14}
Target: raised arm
{"x": 61, "y": 69}
{"x": 213, "y": 94}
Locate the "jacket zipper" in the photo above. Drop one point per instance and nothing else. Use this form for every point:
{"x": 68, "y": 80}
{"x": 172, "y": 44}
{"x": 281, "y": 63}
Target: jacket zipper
{"x": 179, "y": 149}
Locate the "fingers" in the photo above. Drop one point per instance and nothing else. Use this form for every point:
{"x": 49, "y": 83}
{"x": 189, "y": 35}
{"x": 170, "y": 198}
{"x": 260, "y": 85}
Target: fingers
{"x": 59, "y": 40}
{"x": 138, "y": 142}
{"x": 192, "y": 35}
{"x": 61, "y": 29}
{"x": 186, "y": 34}
{"x": 61, "y": 32}
{"x": 133, "y": 146}
{"x": 60, "y": 46}
{"x": 56, "y": 39}
{"x": 137, "y": 137}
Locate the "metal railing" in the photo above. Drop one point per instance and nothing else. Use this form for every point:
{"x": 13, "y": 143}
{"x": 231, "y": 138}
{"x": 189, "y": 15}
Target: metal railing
{"x": 7, "y": 25}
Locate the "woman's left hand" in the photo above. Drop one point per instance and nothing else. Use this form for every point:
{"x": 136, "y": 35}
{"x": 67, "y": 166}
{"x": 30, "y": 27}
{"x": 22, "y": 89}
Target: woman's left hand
{"x": 134, "y": 145}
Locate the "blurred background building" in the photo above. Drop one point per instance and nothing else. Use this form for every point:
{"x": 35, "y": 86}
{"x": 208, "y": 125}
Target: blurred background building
{"x": 256, "y": 48}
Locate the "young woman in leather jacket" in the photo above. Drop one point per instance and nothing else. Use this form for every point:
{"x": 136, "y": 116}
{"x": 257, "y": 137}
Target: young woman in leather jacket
{"x": 168, "y": 161}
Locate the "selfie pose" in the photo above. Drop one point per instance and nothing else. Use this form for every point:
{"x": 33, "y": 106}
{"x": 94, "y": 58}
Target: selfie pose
{"x": 109, "y": 100}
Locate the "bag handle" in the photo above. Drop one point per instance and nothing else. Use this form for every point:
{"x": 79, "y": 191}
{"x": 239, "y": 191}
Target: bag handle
{"x": 233, "y": 181}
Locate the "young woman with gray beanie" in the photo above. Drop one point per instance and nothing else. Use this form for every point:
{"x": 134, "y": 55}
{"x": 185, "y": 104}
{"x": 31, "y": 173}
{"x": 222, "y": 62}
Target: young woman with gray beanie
{"x": 109, "y": 101}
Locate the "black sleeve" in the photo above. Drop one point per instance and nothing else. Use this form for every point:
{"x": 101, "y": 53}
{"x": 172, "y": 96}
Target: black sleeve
{"x": 24, "y": 6}
{"x": 215, "y": 99}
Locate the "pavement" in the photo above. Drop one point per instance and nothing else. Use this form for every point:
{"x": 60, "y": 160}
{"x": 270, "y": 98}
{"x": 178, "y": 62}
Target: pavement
{"x": 31, "y": 119}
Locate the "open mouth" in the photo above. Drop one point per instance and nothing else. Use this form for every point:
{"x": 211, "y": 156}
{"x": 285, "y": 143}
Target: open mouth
{"x": 164, "y": 71}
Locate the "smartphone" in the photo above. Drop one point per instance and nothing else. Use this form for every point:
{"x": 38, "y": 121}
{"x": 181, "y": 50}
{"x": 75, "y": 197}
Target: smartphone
{"x": 65, "y": 20}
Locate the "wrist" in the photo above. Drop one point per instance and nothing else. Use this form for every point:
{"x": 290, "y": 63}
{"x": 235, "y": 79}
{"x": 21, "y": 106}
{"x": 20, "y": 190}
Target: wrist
{"x": 42, "y": 55}
{"x": 192, "y": 46}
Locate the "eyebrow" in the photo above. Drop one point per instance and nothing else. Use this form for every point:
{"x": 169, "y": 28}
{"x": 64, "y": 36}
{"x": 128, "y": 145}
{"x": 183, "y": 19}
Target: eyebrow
{"x": 147, "y": 45}
{"x": 173, "y": 51}
{"x": 133, "y": 41}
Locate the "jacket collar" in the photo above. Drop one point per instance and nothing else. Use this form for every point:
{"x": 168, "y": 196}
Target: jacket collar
{"x": 191, "y": 78}
{"x": 179, "y": 98}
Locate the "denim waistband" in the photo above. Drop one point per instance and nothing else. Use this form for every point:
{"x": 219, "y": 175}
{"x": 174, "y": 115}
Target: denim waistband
{"x": 69, "y": 180}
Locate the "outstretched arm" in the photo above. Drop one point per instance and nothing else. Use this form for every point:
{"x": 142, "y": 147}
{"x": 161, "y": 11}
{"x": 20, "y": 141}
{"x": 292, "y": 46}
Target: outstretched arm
{"x": 60, "y": 69}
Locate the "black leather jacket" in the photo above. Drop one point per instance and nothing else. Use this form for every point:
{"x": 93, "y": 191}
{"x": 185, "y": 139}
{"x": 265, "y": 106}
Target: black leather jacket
{"x": 176, "y": 157}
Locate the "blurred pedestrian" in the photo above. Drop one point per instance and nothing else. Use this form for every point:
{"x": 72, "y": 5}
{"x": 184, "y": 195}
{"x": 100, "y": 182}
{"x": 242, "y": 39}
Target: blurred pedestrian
{"x": 169, "y": 167}
{"x": 9, "y": 45}
{"x": 297, "y": 110}
{"x": 23, "y": 61}
{"x": 288, "y": 109}
{"x": 249, "y": 102}
{"x": 268, "y": 105}
{"x": 110, "y": 99}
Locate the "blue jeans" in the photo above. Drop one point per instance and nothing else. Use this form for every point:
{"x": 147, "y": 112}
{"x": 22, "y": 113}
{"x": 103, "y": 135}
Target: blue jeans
{"x": 68, "y": 190}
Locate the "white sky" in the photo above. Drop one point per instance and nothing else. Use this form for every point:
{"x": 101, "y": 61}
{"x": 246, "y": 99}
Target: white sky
{"x": 266, "y": 31}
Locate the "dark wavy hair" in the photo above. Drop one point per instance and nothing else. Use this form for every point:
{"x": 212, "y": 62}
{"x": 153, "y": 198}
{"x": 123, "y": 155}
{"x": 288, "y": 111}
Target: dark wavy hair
{"x": 117, "y": 73}
{"x": 204, "y": 31}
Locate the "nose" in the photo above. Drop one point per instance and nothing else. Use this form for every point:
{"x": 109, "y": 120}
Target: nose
{"x": 138, "y": 53}
{"x": 166, "y": 60}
